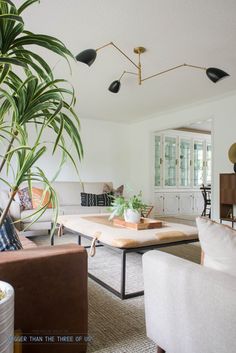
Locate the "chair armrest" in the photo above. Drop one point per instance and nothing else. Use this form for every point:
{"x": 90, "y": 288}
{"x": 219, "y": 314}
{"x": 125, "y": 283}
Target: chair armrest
{"x": 50, "y": 286}
{"x": 188, "y": 307}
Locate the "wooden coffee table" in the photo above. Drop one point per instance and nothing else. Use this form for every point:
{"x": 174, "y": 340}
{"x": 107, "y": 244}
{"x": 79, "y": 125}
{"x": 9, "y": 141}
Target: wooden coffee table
{"x": 101, "y": 232}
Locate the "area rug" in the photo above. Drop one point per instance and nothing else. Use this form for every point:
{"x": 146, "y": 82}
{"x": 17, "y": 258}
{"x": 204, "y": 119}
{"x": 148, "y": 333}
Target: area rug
{"x": 117, "y": 326}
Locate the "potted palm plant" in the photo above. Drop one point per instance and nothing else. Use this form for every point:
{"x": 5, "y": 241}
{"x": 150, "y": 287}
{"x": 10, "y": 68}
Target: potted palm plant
{"x": 130, "y": 209}
{"x": 31, "y": 98}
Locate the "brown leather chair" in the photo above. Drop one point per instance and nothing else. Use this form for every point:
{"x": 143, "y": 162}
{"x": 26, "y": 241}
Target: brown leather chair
{"x": 50, "y": 286}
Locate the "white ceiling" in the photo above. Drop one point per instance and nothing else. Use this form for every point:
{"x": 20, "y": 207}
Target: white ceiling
{"x": 199, "y": 32}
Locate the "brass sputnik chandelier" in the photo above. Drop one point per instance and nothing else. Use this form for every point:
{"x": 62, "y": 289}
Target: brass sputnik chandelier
{"x": 88, "y": 56}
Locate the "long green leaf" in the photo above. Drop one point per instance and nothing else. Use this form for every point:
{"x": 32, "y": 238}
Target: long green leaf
{"x": 4, "y": 73}
{"x": 59, "y": 135}
{"x": 6, "y": 182}
{"x": 13, "y": 61}
{"x": 27, "y": 53}
{"x": 10, "y": 17}
{"x": 43, "y": 41}
{"x": 25, "y": 5}
{"x": 10, "y": 99}
{"x": 8, "y": 2}
{"x": 70, "y": 157}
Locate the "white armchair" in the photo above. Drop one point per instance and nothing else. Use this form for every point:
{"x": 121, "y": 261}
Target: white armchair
{"x": 189, "y": 308}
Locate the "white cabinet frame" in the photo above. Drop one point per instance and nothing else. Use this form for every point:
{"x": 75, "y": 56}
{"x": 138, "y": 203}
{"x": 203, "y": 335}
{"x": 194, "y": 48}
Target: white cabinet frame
{"x": 178, "y": 135}
{"x": 179, "y": 199}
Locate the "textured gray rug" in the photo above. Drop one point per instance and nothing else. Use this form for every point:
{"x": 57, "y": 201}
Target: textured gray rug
{"x": 117, "y": 326}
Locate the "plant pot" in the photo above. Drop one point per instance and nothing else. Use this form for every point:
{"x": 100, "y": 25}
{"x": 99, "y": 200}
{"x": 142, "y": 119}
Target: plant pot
{"x": 7, "y": 319}
{"x": 132, "y": 216}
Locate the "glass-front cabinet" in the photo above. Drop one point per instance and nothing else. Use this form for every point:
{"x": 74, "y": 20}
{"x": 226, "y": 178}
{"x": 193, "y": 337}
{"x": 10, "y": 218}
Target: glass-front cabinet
{"x": 170, "y": 166}
{"x": 182, "y": 160}
{"x": 158, "y": 160}
{"x": 208, "y": 163}
{"x": 185, "y": 162}
{"x": 198, "y": 158}
{"x": 182, "y": 163}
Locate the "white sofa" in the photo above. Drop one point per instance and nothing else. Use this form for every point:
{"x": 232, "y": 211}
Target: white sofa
{"x": 189, "y": 308}
{"x": 69, "y": 198}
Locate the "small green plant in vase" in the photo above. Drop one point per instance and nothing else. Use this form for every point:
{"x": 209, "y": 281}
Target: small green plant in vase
{"x": 130, "y": 209}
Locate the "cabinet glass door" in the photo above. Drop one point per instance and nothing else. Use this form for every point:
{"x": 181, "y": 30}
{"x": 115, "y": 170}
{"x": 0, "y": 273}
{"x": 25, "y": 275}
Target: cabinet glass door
{"x": 184, "y": 162}
{"x": 158, "y": 161}
{"x": 198, "y": 163}
{"x": 170, "y": 149}
{"x": 208, "y": 163}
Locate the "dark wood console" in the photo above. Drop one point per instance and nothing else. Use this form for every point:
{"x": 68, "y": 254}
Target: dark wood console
{"x": 227, "y": 197}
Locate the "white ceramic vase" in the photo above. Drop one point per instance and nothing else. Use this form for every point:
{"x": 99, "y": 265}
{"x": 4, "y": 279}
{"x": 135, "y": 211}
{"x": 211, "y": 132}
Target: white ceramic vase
{"x": 132, "y": 216}
{"x": 7, "y": 319}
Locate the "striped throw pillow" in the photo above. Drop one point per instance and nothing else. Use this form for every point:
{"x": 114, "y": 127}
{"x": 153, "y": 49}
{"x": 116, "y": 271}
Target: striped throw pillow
{"x": 96, "y": 200}
{"x": 9, "y": 239}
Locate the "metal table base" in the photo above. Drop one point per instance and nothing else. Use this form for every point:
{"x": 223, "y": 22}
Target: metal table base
{"x": 122, "y": 293}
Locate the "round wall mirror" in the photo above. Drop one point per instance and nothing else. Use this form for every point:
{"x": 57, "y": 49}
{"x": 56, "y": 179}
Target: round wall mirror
{"x": 232, "y": 155}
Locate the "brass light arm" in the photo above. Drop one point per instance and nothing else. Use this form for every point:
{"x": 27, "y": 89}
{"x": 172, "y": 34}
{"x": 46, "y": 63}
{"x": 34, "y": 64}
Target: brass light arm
{"x": 115, "y": 46}
{"x": 104, "y": 46}
{"x": 132, "y": 73}
{"x": 115, "y": 85}
{"x": 127, "y": 72}
{"x": 196, "y": 67}
{"x": 124, "y": 72}
{"x": 139, "y": 69}
{"x": 174, "y": 68}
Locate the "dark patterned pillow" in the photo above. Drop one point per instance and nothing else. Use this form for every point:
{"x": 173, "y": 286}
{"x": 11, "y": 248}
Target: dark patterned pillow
{"x": 96, "y": 200}
{"x": 9, "y": 239}
{"x": 25, "y": 199}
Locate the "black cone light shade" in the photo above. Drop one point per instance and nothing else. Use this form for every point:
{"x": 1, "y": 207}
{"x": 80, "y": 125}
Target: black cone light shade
{"x": 215, "y": 74}
{"x": 87, "y": 56}
{"x": 114, "y": 86}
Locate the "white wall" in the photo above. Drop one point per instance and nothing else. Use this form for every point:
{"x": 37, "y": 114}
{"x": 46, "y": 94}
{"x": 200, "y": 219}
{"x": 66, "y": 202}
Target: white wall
{"x": 104, "y": 146}
{"x": 223, "y": 114}
{"x": 104, "y": 149}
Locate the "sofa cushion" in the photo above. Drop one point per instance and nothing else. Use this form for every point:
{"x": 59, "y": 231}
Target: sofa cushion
{"x": 72, "y": 210}
{"x": 218, "y": 242}
{"x": 46, "y": 216}
{"x": 96, "y": 200}
{"x": 25, "y": 199}
{"x": 68, "y": 193}
{"x": 9, "y": 239}
{"x": 40, "y": 198}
